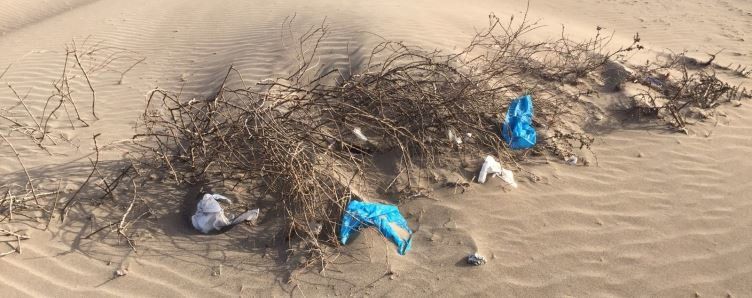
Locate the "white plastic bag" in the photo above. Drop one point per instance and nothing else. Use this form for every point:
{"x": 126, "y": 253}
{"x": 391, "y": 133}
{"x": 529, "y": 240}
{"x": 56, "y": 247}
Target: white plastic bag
{"x": 210, "y": 215}
{"x": 493, "y": 167}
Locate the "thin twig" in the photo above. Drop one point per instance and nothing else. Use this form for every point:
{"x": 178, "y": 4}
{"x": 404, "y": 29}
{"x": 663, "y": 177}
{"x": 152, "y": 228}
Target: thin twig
{"x": 26, "y": 171}
{"x": 70, "y": 201}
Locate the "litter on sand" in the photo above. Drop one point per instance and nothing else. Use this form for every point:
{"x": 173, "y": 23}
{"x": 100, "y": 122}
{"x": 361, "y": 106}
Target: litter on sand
{"x": 476, "y": 259}
{"x": 572, "y": 160}
{"x": 518, "y": 129}
{"x": 454, "y": 137}
{"x": 493, "y": 167}
{"x": 386, "y": 218}
{"x": 210, "y": 216}
{"x": 359, "y": 133}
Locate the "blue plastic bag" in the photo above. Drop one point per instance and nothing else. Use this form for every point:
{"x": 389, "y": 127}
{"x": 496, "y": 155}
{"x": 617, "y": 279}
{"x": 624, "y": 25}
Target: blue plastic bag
{"x": 518, "y": 129}
{"x": 386, "y": 218}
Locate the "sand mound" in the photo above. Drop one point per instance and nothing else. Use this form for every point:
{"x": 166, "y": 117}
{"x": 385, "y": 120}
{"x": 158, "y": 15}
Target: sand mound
{"x": 660, "y": 214}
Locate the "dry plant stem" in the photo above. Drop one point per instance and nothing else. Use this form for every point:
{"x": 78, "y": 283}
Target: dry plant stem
{"x": 109, "y": 188}
{"x": 9, "y": 233}
{"x": 26, "y": 171}
{"x": 10, "y": 205}
{"x": 21, "y": 101}
{"x": 18, "y": 241}
{"x": 88, "y": 81}
{"x": 122, "y": 74}
{"x": 122, "y": 226}
{"x": 99, "y": 230}
{"x": 5, "y": 71}
{"x": 70, "y": 201}
{"x": 54, "y": 205}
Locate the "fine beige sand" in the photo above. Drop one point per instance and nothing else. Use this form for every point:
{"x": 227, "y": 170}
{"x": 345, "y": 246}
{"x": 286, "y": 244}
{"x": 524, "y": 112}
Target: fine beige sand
{"x": 661, "y": 214}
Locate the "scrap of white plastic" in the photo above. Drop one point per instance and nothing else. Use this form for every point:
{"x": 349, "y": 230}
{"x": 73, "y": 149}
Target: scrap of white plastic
{"x": 493, "y": 167}
{"x": 454, "y": 138}
{"x": 358, "y": 133}
{"x": 249, "y": 215}
{"x": 572, "y": 160}
{"x": 210, "y": 215}
{"x": 508, "y": 177}
{"x": 490, "y": 166}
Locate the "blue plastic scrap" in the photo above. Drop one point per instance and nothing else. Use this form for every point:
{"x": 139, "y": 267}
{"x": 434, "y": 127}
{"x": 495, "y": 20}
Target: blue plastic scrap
{"x": 386, "y": 218}
{"x": 518, "y": 129}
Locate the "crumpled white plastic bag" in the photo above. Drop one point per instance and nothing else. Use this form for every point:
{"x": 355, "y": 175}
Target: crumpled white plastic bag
{"x": 493, "y": 167}
{"x": 210, "y": 215}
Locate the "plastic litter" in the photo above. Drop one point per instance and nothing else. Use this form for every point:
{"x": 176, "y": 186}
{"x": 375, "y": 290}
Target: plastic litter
{"x": 359, "y": 133}
{"x": 518, "y": 129}
{"x": 572, "y": 160}
{"x": 654, "y": 82}
{"x": 386, "y": 218}
{"x": 476, "y": 259}
{"x": 493, "y": 167}
{"x": 453, "y": 137}
{"x": 210, "y": 215}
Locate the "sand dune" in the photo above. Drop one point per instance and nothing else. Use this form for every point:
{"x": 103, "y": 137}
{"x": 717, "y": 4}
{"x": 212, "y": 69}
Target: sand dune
{"x": 660, "y": 214}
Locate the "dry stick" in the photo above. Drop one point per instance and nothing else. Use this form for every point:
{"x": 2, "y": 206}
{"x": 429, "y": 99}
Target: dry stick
{"x": 65, "y": 209}
{"x": 14, "y": 234}
{"x": 86, "y": 76}
{"x": 21, "y": 101}
{"x": 121, "y": 226}
{"x": 6, "y": 197}
{"x": 99, "y": 230}
{"x": 61, "y": 94}
{"x": 54, "y": 205}
{"x": 19, "y": 237}
{"x": 111, "y": 187}
{"x": 5, "y": 71}
{"x": 64, "y": 85}
{"x": 28, "y": 176}
{"x": 122, "y": 75}
{"x": 10, "y": 205}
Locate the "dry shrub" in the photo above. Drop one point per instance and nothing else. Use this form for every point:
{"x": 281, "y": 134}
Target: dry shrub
{"x": 679, "y": 87}
{"x": 298, "y": 138}
{"x": 24, "y": 196}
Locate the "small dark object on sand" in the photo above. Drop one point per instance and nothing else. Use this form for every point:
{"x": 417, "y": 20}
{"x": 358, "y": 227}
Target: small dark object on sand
{"x": 476, "y": 259}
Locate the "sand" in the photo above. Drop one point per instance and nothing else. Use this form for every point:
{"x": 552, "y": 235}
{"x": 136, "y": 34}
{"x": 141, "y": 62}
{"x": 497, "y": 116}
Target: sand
{"x": 660, "y": 214}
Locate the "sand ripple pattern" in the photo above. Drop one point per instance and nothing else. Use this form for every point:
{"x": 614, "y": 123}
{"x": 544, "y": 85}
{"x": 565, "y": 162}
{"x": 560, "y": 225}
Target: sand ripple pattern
{"x": 661, "y": 215}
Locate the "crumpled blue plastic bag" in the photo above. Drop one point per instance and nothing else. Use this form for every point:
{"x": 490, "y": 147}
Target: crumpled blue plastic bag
{"x": 518, "y": 129}
{"x": 386, "y": 218}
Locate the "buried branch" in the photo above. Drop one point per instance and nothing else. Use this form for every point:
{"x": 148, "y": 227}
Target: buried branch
{"x": 18, "y": 238}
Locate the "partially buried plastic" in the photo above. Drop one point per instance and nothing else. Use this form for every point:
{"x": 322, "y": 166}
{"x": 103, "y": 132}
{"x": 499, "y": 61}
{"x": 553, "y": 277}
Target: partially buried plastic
{"x": 386, "y": 218}
{"x": 518, "y": 129}
{"x": 210, "y": 216}
{"x": 493, "y": 167}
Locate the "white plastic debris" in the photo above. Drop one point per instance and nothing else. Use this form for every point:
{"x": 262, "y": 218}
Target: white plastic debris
{"x": 249, "y": 215}
{"x": 572, "y": 160}
{"x": 493, "y": 167}
{"x": 508, "y": 177}
{"x": 490, "y": 166}
{"x": 358, "y": 133}
{"x": 210, "y": 215}
{"x": 476, "y": 259}
{"x": 454, "y": 137}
